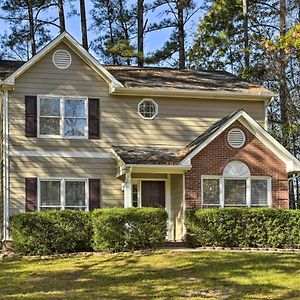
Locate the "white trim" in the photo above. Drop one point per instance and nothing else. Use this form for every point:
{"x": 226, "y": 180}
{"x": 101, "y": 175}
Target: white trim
{"x": 292, "y": 163}
{"x": 168, "y": 208}
{"x": 60, "y": 154}
{"x": 266, "y": 114}
{"x": 183, "y": 208}
{"x": 62, "y": 117}
{"x": 128, "y": 189}
{"x": 191, "y": 93}
{"x": 78, "y": 49}
{"x": 185, "y": 167}
{"x": 62, "y": 181}
{"x": 155, "y": 105}
{"x": 248, "y": 190}
{"x": 5, "y": 166}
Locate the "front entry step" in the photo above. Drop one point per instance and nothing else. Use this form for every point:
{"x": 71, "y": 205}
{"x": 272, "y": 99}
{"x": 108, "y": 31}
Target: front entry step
{"x": 174, "y": 244}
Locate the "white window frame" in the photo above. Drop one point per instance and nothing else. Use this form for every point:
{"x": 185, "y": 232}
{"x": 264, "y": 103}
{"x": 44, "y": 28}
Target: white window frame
{"x": 62, "y": 117}
{"x": 248, "y": 190}
{"x": 62, "y": 181}
{"x": 156, "y": 108}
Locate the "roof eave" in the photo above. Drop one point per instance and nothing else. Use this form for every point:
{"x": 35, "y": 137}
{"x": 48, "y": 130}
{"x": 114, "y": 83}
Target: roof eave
{"x": 191, "y": 93}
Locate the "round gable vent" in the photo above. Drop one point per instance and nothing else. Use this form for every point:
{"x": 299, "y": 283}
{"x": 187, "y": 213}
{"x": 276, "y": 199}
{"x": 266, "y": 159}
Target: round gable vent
{"x": 61, "y": 59}
{"x": 236, "y": 138}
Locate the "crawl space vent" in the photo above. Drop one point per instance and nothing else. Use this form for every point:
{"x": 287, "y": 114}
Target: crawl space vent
{"x": 236, "y": 138}
{"x": 61, "y": 59}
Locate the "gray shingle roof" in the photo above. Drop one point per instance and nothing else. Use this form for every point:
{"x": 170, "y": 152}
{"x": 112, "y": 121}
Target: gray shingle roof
{"x": 9, "y": 66}
{"x": 151, "y": 77}
{"x": 149, "y": 155}
{"x": 154, "y": 77}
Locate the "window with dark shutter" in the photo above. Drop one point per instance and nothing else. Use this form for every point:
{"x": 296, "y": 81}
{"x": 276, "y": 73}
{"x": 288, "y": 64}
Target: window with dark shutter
{"x": 94, "y": 118}
{"x": 30, "y": 116}
{"x": 94, "y": 194}
{"x": 31, "y": 194}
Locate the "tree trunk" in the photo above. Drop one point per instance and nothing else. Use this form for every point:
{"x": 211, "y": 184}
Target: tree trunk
{"x": 31, "y": 28}
{"x": 61, "y": 14}
{"x": 246, "y": 39}
{"x": 283, "y": 94}
{"x": 83, "y": 25}
{"x": 181, "y": 34}
{"x": 124, "y": 26}
{"x": 140, "y": 17}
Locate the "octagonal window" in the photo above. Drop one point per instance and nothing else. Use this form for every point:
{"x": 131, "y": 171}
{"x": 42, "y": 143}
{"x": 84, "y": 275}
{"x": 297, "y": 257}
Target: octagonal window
{"x": 148, "y": 109}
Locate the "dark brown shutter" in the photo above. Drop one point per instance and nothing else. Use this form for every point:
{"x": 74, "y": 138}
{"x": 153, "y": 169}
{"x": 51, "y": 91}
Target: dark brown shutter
{"x": 31, "y": 194}
{"x": 31, "y": 116}
{"x": 94, "y": 118}
{"x": 94, "y": 194}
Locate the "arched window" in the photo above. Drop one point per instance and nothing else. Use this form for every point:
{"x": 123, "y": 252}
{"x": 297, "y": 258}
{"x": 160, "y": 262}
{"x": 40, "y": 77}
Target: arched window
{"x": 236, "y": 169}
{"x": 236, "y": 187}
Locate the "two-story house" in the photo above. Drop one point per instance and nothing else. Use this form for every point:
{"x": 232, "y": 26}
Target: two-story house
{"x": 81, "y": 135}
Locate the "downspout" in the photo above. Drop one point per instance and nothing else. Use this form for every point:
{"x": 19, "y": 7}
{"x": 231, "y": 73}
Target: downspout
{"x": 5, "y": 165}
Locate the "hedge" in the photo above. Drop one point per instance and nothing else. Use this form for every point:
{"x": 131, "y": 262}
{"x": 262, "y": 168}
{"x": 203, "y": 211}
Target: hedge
{"x": 119, "y": 229}
{"x": 48, "y": 232}
{"x": 243, "y": 227}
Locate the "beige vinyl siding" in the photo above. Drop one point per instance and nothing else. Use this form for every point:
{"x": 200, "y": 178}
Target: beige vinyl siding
{"x": 105, "y": 169}
{"x": 178, "y": 122}
{"x": 1, "y": 170}
{"x": 176, "y": 205}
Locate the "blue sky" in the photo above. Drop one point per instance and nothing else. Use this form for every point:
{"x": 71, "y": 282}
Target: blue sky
{"x": 152, "y": 42}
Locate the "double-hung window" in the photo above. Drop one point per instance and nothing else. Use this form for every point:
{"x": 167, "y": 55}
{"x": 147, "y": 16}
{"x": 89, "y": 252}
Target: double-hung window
{"x": 65, "y": 117}
{"x": 236, "y": 187}
{"x": 63, "y": 194}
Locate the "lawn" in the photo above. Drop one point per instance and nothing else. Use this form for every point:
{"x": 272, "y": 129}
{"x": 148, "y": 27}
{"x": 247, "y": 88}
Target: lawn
{"x": 154, "y": 275}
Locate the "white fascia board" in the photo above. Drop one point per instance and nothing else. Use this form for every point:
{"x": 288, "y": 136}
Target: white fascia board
{"x": 162, "y": 169}
{"x": 78, "y": 49}
{"x": 292, "y": 163}
{"x": 191, "y": 93}
{"x": 70, "y": 154}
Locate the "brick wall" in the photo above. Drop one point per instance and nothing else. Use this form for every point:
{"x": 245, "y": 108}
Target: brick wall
{"x": 260, "y": 160}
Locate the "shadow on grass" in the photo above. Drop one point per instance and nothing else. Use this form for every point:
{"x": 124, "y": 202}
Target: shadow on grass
{"x": 164, "y": 275}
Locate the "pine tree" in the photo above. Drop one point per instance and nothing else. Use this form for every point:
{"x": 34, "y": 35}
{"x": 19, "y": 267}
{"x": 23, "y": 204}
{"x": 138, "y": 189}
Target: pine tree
{"x": 114, "y": 23}
{"x": 28, "y": 32}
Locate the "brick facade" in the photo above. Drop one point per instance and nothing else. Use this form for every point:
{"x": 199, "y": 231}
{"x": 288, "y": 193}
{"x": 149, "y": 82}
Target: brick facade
{"x": 260, "y": 160}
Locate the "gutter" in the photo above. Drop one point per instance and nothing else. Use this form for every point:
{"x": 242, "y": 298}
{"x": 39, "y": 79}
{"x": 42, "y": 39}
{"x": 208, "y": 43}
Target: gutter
{"x": 5, "y": 172}
{"x": 181, "y": 167}
{"x": 197, "y": 94}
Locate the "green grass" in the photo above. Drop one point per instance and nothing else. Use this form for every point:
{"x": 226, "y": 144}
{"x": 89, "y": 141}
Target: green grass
{"x": 154, "y": 275}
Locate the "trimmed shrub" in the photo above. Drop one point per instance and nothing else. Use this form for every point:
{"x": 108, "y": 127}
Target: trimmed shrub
{"x": 127, "y": 229}
{"x": 243, "y": 227}
{"x": 48, "y": 232}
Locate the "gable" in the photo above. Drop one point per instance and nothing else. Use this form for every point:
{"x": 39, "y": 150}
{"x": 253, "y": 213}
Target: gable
{"x": 43, "y": 77}
{"x": 291, "y": 162}
{"x": 77, "y": 48}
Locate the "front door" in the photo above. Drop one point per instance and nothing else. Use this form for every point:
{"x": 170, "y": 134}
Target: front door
{"x": 153, "y": 193}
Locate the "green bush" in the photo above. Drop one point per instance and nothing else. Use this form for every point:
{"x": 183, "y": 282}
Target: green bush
{"x": 126, "y": 229}
{"x": 48, "y": 232}
{"x": 243, "y": 227}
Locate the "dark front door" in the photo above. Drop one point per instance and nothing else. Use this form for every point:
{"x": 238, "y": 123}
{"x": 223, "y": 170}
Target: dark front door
{"x": 153, "y": 194}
